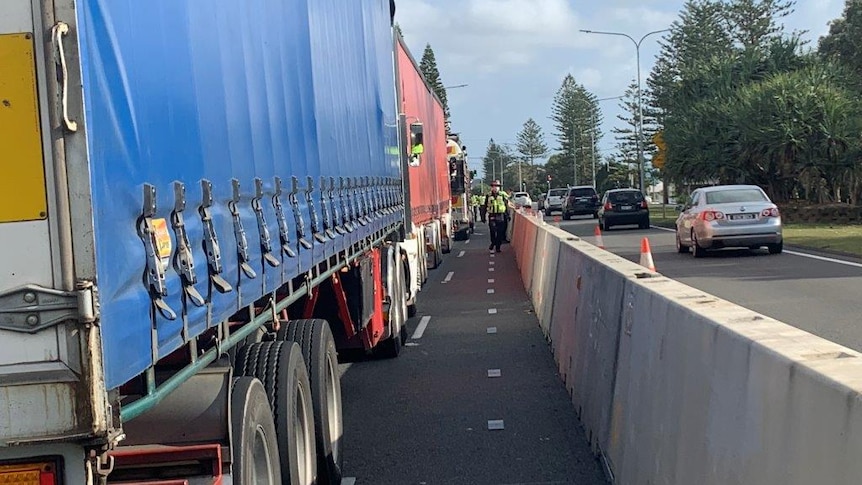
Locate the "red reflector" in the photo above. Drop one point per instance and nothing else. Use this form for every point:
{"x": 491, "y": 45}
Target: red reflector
{"x": 609, "y": 206}
{"x": 29, "y": 474}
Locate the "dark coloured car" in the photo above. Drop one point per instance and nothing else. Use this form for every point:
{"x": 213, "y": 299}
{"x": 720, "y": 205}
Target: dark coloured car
{"x": 581, "y": 201}
{"x": 623, "y": 207}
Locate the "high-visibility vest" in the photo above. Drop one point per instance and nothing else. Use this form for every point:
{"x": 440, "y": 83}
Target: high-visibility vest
{"x": 496, "y": 203}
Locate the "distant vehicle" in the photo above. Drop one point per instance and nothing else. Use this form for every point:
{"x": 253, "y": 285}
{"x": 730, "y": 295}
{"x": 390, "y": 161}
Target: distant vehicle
{"x": 623, "y": 206}
{"x": 554, "y": 200}
{"x": 729, "y": 216}
{"x": 522, "y": 199}
{"x": 581, "y": 200}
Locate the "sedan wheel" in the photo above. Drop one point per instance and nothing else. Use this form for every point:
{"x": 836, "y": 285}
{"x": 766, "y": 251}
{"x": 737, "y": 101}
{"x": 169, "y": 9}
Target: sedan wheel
{"x": 698, "y": 251}
{"x": 680, "y": 247}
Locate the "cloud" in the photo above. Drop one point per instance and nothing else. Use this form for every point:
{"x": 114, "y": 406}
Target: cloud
{"x": 537, "y": 19}
{"x": 591, "y": 78}
{"x": 492, "y": 35}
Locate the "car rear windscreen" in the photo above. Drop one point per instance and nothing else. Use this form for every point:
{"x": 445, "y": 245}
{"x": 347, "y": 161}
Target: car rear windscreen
{"x": 625, "y": 197}
{"x": 734, "y": 196}
{"x": 582, "y": 193}
{"x": 557, "y": 192}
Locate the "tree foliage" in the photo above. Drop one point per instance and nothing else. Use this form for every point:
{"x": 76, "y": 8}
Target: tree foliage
{"x": 531, "y": 142}
{"x": 577, "y": 118}
{"x": 745, "y": 104}
{"x": 428, "y": 66}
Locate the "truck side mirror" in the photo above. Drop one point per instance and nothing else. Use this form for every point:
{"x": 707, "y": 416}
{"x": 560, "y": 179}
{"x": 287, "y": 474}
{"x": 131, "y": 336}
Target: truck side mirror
{"x": 417, "y": 146}
{"x": 416, "y": 139}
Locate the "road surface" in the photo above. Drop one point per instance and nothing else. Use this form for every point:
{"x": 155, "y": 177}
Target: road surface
{"x": 822, "y": 295}
{"x": 423, "y": 418}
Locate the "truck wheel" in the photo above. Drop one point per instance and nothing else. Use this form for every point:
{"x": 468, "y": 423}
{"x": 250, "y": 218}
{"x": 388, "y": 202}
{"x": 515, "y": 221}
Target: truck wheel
{"x": 391, "y": 347}
{"x": 253, "y": 436}
{"x": 280, "y": 368}
{"x": 321, "y": 358}
{"x": 256, "y": 336}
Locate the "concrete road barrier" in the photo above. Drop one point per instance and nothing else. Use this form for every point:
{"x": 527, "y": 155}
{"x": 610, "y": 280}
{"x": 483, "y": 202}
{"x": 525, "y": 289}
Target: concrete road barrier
{"x": 676, "y": 386}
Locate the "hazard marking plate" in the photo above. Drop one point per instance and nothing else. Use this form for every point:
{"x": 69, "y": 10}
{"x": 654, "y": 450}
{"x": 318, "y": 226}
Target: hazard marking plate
{"x": 495, "y": 424}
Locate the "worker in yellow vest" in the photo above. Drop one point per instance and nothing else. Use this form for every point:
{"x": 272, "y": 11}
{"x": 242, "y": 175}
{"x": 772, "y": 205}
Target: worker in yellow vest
{"x": 496, "y": 205}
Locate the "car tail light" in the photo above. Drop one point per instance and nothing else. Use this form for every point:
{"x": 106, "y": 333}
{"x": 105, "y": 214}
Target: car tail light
{"x": 44, "y": 473}
{"x": 609, "y": 206}
{"x": 711, "y": 215}
{"x": 644, "y": 204}
{"x": 770, "y": 212}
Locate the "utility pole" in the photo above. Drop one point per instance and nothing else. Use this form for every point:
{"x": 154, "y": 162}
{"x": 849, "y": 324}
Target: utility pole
{"x": 640, "y": 126}
{"x": 593, "y": 146}
{"x": 574, "y": 158}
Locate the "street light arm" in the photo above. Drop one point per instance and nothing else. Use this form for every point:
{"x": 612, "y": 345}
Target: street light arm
{"x": 620, "y": 34}
{"x": 651, "y": 33}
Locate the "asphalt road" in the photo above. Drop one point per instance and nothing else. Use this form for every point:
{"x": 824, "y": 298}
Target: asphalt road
{"x": 820, "y": 296}
{"x": 423, "y": 418}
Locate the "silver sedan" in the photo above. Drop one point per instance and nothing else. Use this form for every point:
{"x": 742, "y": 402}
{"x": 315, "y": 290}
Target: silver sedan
{"x": 729, "y": 216}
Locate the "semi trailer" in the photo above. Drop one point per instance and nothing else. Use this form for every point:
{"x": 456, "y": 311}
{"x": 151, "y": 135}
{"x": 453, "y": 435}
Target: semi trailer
{"x": 202, "y": 207}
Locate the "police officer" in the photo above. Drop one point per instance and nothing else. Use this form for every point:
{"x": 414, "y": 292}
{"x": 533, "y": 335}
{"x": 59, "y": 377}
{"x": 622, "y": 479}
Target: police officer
{"x": 496, "y": 204}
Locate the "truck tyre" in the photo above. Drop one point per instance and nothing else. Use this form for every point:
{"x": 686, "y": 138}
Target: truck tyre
{"x": 253, "y": 436}
{"x": 280, "y": 368}
{"x": 402, "y": 304}
{"x": 321, "y": 358}
{"x": 391, "y": 347}
{"x": 256, "y": 336}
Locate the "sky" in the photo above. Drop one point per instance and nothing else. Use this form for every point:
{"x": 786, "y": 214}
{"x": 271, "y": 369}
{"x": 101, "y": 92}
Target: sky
{"x": 514, "y": 54}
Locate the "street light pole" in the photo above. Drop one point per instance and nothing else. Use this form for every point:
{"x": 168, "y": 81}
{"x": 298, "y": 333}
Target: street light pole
{"x": 574, "y": 158}
{"x": 640, "y": 123}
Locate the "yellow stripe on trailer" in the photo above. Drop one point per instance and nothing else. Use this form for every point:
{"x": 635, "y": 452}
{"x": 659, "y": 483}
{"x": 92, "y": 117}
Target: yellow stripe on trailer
{"x": 22, "y": 172}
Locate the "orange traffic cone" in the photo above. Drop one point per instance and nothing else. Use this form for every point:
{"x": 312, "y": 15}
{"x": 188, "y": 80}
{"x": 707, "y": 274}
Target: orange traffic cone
{"x": 646, "y": 255}
{"x": 599, "y": 241}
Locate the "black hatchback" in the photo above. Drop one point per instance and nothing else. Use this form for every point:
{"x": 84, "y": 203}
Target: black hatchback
{"x": 624, "y": 206}
{"x": 581, "y": 200}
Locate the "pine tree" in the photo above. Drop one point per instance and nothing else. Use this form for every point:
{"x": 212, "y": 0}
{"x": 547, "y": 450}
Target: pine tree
{"x": 755, "y": 23}
{"x": 428, "y": 66}
{"x": 398, "y": 29}
{"x": 577, "y": 118}
{"x": 531, "y": 142}
{"x": 627, "y": 136}
{"x": 497, "y": 164}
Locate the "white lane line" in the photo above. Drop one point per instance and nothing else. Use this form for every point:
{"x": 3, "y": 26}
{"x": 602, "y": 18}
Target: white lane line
{"x": 824, "y": 258}
{"x": 491, "y": 263}
{"x": 492, "y": 329}
{"x": 492, "y": 311}
{"x": 448, "y": 277}
{"x": 461, "y": 254}
{"x": 420, "y": 329}
{"x": 494, "y": 373}
{"x": 348, "y": 480}
{"x": 490, "y": 291}
{"x": 490, "y": 270}
{"x": 467, "y": 242}
{"x": 492, "y": 255}
{"x": 491, "y": 280}
{"x": 795, "y": 253}
{"x": 495, "y": 424}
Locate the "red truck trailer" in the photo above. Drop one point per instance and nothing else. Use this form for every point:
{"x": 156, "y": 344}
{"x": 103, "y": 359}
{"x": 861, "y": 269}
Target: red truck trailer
{"x": 429, "y": 222}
